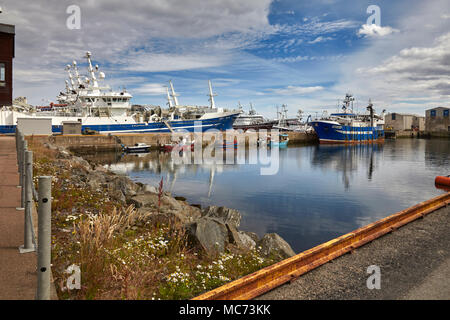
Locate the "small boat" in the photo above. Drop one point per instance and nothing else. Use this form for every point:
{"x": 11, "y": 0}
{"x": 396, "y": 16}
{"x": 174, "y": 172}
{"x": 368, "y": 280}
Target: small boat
{"x": 282, "y": 141}
{"x": 137, "y": 148}
{"x": 183, "y": 145}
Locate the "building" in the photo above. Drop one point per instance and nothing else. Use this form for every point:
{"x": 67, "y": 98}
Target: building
{"x": 437, "y": 121}
{"x": 7, "y": 33}
{"x": 71, "y": 127}
{"x": 404, "y": 122}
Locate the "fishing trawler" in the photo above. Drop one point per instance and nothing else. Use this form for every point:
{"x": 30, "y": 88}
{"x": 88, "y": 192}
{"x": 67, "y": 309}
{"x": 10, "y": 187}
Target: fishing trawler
{"x": 103, "y": 110}
{"x": 292, "y": 124}
{"x": 349, "y": 127}
{"x": 252, "y": 120}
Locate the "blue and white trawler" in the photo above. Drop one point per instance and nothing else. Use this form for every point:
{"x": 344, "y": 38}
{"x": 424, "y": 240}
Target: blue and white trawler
{"x": 350, "y": 127}
{"x": 103, "y": 110}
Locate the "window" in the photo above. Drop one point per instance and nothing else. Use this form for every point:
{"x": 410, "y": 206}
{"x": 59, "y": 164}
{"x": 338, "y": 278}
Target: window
{"x": 446, "y": 113}
{"x": 2, "y": 75}
{"x": 393, "y": 116}
{"x": 433, "y": 113}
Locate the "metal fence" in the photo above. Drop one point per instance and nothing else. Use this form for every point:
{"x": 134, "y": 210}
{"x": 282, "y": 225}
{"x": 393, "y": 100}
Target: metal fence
{"x": 43, "y": 199}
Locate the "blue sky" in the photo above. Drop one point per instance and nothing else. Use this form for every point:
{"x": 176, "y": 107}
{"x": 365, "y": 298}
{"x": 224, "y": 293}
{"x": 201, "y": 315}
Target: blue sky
{"x": 306, "y": 54}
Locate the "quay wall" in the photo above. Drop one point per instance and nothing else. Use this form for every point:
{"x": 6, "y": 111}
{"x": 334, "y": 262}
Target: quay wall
{"x": 108, "y": 143}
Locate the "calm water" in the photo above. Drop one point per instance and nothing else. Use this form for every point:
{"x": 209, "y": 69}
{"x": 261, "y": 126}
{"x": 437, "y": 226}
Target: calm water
{"x": 319, "y": 192}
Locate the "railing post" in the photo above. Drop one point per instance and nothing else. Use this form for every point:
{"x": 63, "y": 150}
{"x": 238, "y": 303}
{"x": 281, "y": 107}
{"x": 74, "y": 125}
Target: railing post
{"x": 16, "y": 133}
{"x": 22, "y": 170}
{"x": 28, "y": 223}
{"x": 19, "y": 150}
{"x": 44, "y": 238}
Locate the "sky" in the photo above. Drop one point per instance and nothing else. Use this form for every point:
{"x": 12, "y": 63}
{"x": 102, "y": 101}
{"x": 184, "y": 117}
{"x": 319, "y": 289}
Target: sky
{"x": 305, "y": 54}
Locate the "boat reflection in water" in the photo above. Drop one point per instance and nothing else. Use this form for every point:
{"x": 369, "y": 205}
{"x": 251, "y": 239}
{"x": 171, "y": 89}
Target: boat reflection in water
{"x": 347, "y": 159}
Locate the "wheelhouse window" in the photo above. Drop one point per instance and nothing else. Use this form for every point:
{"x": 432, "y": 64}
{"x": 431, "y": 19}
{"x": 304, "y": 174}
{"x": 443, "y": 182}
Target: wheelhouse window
{"x": 2, "y": 75}
{"x": 446, "y": 113}
{"x": 433, "y": 113}
{"x": 393, "y": 116}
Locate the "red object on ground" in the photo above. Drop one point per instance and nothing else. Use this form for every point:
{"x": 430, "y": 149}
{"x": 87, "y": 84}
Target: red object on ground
{"x": 442, "y": 180}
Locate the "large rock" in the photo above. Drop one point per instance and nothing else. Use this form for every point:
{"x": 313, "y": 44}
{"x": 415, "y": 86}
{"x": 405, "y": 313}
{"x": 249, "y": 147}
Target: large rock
{"x": 150, "y": 200}
{"x": 167, "y": 217}
{"x": 124, "y": 184}
{"x": 226, "y": 215}
{"x": 234, "y": 237}
{"x": 247, "y": 242}
{"x": 211, "y": 234}
{"x": 95, "y": 179}
{"x": 170, "y": 208}
{"x": 80, "y": 162}
{"x": 272, "y": 245}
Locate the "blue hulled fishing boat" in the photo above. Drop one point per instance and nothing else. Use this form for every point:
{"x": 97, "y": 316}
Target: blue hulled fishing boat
{"x": 350, "y": 127}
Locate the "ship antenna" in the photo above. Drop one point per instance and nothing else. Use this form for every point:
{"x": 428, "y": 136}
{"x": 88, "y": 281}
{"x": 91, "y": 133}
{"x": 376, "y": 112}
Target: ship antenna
{"x": 67, "y": 86}
{"x": 70, "y": 76}
{"x": 174, "y": 95}
{"x": 211, "y": 95}
{"x": 77, "y": 75}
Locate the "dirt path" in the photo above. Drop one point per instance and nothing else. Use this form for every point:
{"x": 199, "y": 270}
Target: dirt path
{"x": 414, "y": 262}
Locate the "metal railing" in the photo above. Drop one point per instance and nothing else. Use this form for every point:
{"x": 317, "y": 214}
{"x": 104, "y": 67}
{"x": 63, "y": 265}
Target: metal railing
{"x": 43, "y": 199}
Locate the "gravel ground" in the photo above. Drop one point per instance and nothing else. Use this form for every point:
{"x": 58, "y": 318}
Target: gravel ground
{"x": 414, "y": 262}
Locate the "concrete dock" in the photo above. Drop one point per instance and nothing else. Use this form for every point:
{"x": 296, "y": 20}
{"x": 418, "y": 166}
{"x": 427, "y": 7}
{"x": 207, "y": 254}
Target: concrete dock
{"x": 414, "y": 264}
{"x": 110, "y": 143}
{"x": 18, "y": 279}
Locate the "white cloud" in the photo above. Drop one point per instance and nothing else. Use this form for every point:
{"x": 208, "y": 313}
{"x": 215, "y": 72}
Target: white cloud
{"x": 418, "y": 68}
{"x": 320, "y": 39}
{"x": 296, "y": 90}
{"x": 315, "y": 26}
{"x": 175, "y": 35}
{"x": 160, "y": 62}
{"x": 308, "y": 58}
{"x": 374, "y": 30}
{"x": 151, "y": 89}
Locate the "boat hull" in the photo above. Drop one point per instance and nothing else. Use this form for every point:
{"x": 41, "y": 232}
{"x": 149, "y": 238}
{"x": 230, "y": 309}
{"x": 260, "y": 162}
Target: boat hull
{"x": 281, "y": 144}
{"x": 219, "y": 123}
{"x": 332, "y": 132}
{"x": 137, "y": 150}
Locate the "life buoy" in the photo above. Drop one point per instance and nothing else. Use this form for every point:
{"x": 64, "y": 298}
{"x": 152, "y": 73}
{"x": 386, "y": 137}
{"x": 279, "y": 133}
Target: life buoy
{"x": 442, "y": 180}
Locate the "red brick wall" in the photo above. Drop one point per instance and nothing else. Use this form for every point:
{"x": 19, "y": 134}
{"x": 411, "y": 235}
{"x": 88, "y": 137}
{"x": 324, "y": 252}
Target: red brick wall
{"x": 6, "y": 57}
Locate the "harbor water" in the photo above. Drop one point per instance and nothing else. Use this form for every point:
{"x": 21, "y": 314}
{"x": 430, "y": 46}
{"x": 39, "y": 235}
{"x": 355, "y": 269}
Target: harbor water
{"x": 319, "y": 192}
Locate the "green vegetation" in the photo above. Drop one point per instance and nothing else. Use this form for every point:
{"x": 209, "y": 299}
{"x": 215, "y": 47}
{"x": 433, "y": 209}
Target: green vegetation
{"x": 121, "y": 253}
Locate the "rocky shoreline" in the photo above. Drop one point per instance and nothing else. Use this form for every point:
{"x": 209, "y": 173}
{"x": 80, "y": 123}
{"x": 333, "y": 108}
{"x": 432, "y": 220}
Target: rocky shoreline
{"x": 212, "y": 230}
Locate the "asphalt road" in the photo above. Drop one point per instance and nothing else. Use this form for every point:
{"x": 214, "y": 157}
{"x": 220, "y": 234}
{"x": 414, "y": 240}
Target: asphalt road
{"x": 414, "y": 263}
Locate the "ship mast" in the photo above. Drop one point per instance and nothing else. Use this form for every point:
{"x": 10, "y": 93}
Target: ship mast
{"x": 174, "y": 95}
{"x": 77, "y": 75}
{"x": 91, "y": 70}
{"x": 370, "y": 109}
{"x": 169, "y": 100}
{"x": 70, "y": 76}
{"x": 348, "y": 98}
{"x": 67, "y": 86}
{"x": 211, "y": 95}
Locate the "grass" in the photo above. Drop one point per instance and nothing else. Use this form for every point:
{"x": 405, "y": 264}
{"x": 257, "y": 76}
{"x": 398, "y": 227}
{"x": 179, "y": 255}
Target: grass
{"x": 121, "y": 254}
